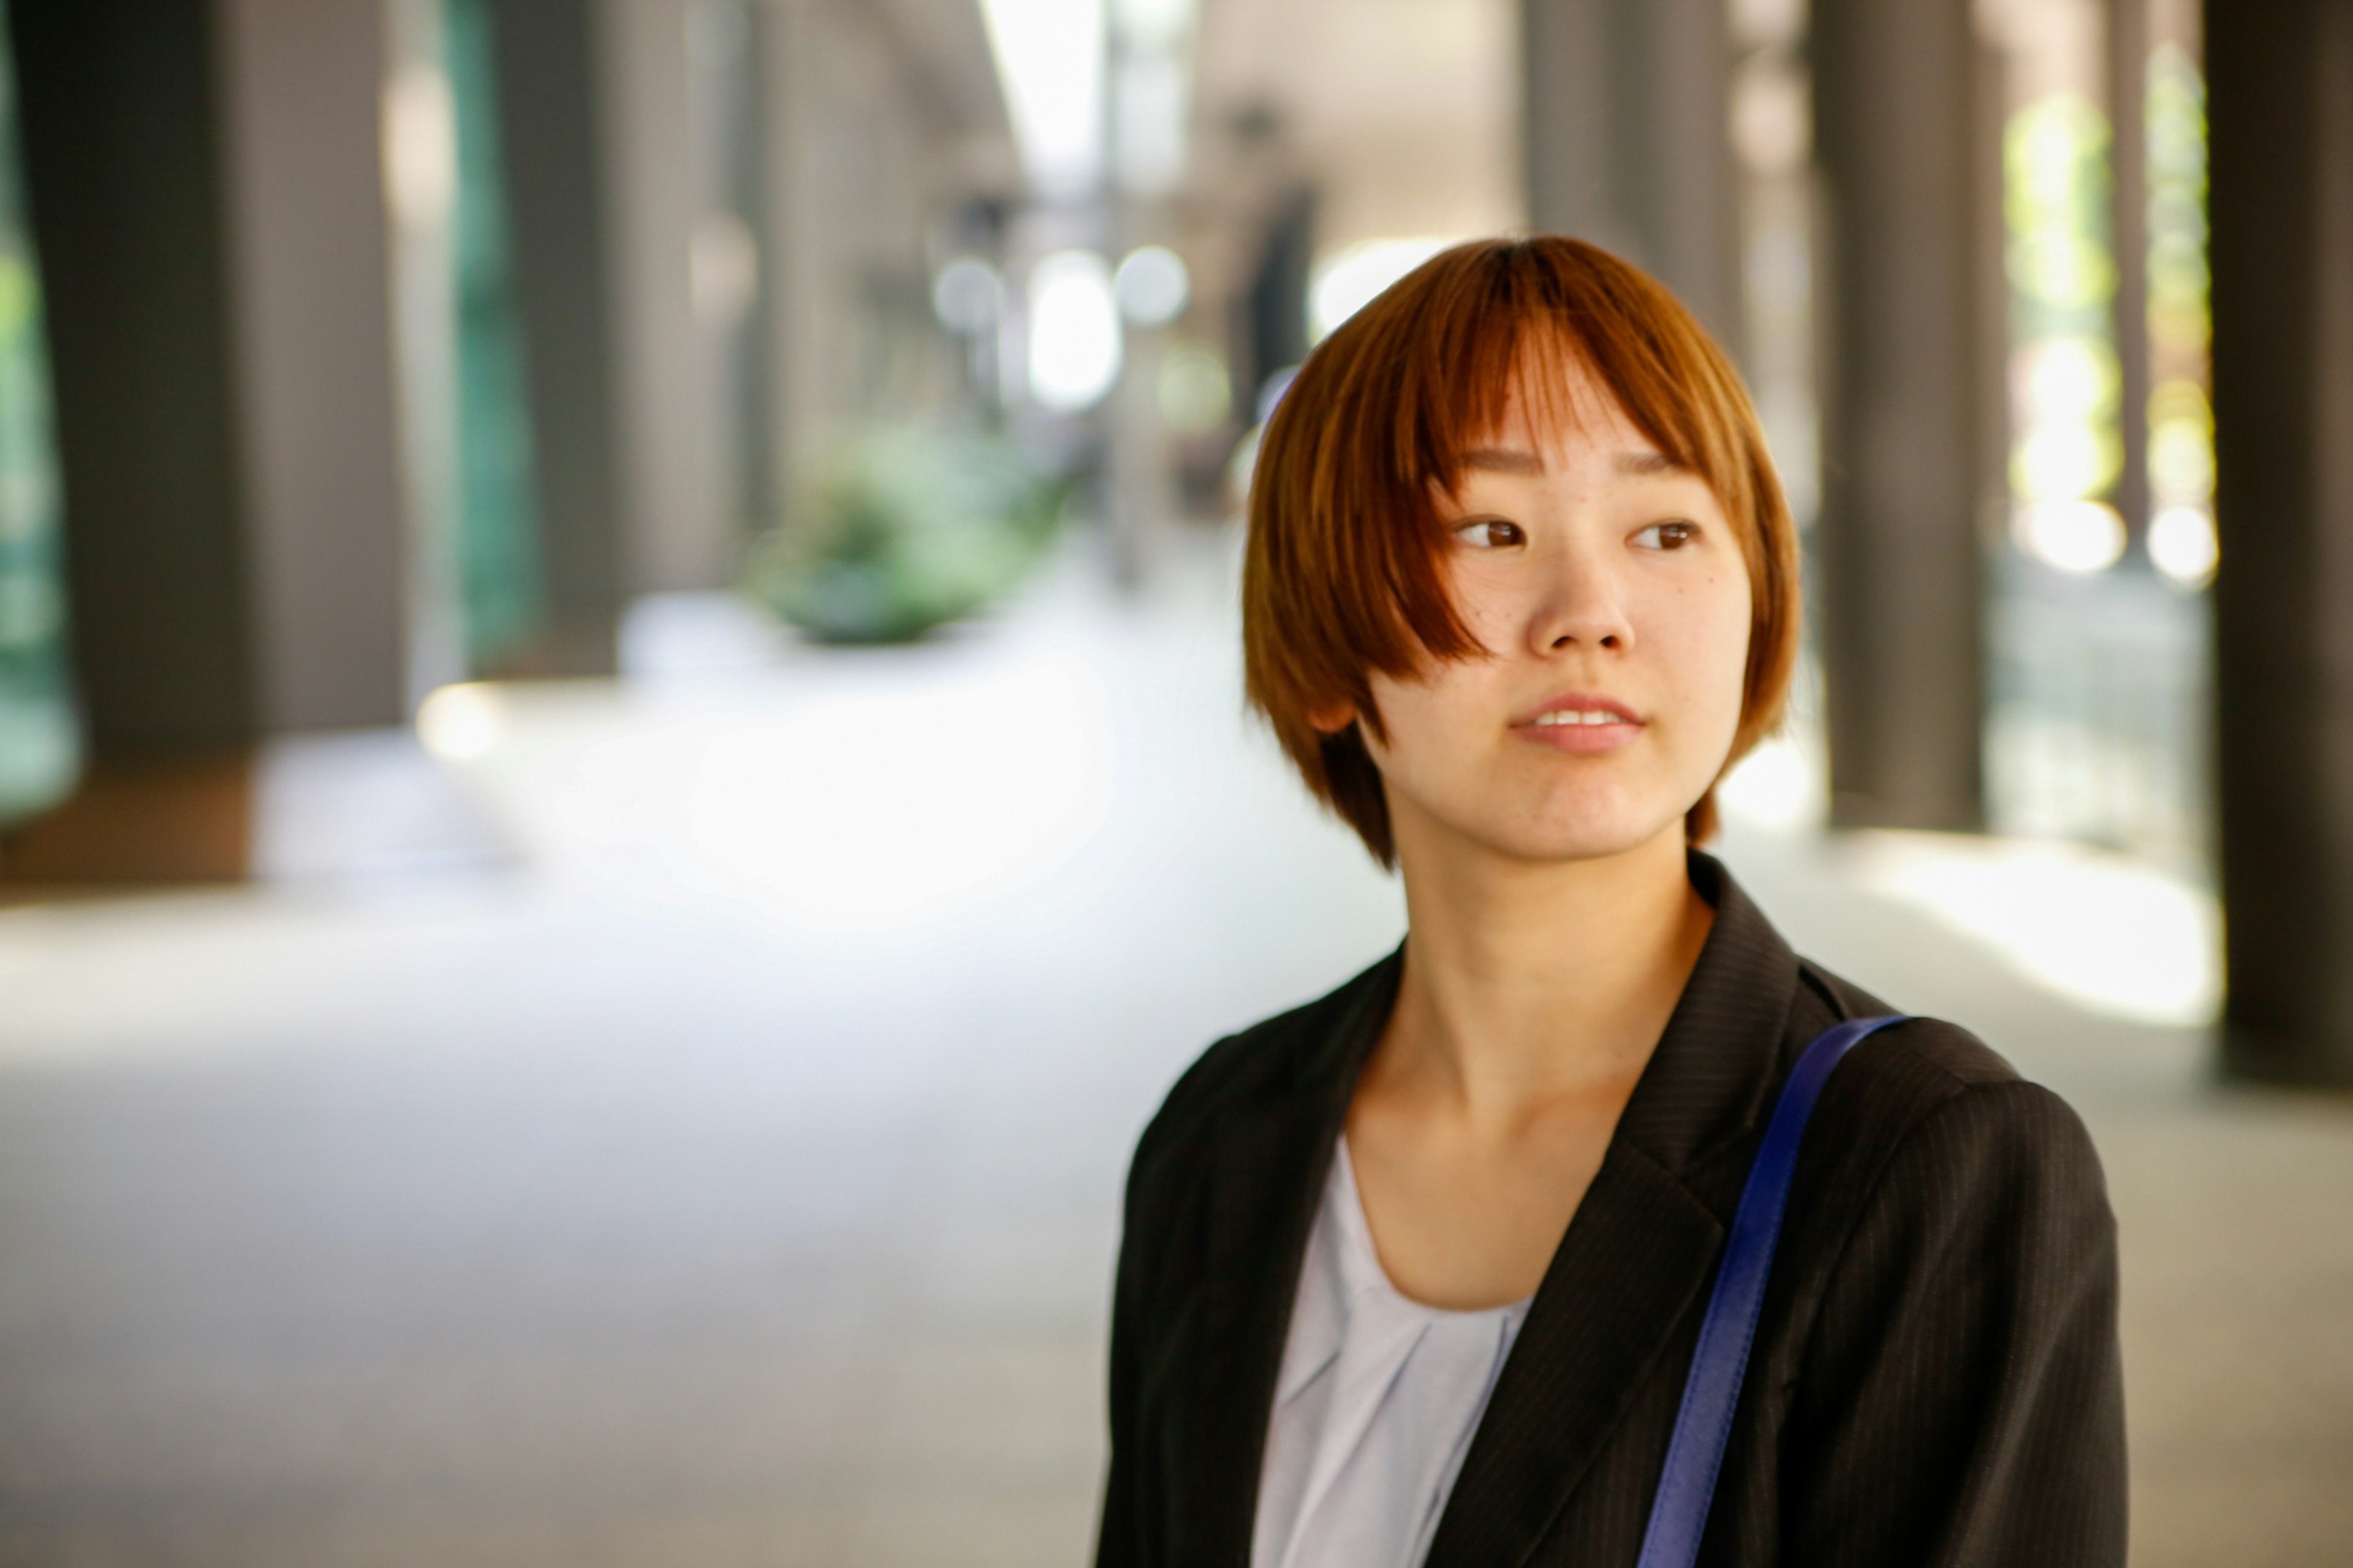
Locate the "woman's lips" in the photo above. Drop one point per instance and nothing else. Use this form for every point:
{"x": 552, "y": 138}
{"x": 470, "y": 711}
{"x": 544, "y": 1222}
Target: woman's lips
{"x": 1582, "y": 727}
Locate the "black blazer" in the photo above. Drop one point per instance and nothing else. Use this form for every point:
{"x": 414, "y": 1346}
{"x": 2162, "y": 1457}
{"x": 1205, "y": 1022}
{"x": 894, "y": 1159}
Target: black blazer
{"x": 1934, "y": 1380}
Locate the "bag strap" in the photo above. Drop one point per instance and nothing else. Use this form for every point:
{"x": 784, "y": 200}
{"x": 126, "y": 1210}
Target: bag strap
{"x": 1703, "y": 1425}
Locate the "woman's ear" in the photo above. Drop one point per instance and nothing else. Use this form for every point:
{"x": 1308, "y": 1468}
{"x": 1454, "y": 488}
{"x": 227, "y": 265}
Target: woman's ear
{"x": 1331, "y": 720}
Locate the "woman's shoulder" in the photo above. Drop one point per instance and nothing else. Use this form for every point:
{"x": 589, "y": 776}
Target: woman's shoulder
{"x": 1945, "y": 1050}
{"x": 1928, "y": 1096}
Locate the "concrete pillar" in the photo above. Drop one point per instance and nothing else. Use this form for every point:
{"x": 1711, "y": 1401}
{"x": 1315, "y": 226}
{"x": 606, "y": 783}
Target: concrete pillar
{"x": 680, "y": 535}
{"x": 1908, "y": 292}
{"x": 801, "y": 239}
{"x": 206, "y": 191}
{"x": 1627, "y": 106}
{"x": 552, "y": 92}
{"x": 736, "y": 270}
{"x": 315, "y": 379}
{"x": 847, "y": 198}
{"x": 2280, "y": 101}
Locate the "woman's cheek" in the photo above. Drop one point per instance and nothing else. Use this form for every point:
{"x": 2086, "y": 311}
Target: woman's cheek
{"x": 1731, "y": 661}
{"x": 1490, "y": 620}
{"x": 1489, "y": 609}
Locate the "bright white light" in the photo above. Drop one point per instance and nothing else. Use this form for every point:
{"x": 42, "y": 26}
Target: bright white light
{"x": 458, "y": 723}
{"x": 2063, "y": 461}
{"x": 2066, "y": 389}
{"x": 2082, "y": 536}
{"x": 1153, "y": 286}
{"x": 1153, "y": 100}
{"x": 1050, "y": 61}
{"x": 2181, "y": 457}
{"x": 2182, "y": 545}
{"x": 1351, "y": 277}
{"x": 885, "y": 804}
{"x": 1155, "y": 24}
{"x": 2067, "y": 378}
{"x": 1772, "y": 120}
{"x": 1074, "y": 347}
{"x": 968, "y": 296}
{"x": 1779, "y": 784}
{"x": 420, "y": 146}
{"x": 2103, "y": 930}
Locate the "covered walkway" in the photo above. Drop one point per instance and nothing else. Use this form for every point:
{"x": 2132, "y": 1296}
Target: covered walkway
{"x": 714, "y": 1160}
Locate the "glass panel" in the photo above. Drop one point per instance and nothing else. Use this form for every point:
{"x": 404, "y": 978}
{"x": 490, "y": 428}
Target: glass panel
{"x": 2096, "y": 725}
{"x": 40, "y": 740}
{"x": 498, "y": 566}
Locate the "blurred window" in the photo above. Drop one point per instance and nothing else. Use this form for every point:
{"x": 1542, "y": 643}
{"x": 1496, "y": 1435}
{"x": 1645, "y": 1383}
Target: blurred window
{"x": 2180, "y": 423}
{"x": 499, "y": 556}
{"x": 2098, "y": 632}
{"x": 40, "y": 739}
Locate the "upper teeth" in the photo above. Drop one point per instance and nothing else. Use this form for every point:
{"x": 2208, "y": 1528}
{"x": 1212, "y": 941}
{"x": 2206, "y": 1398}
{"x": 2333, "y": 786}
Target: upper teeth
{"x": 1578, "y": 716}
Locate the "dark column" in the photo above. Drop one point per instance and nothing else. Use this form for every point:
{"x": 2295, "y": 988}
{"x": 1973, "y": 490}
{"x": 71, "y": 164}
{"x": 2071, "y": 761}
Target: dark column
{"x": 123, "y": 155}
{"x": 207, "y": 194}
{"x": 549, "y": 92}
{"x": 1907, "y": 290}
{"x": 2129, "y": 48}
{"x": 2280, "y": 97}
{"x": 1274, "y": 310}
{"x": 1629, "y": 141}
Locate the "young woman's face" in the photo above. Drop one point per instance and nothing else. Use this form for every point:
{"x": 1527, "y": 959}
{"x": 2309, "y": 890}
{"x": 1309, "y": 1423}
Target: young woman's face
{"x": 1611, "y": 594}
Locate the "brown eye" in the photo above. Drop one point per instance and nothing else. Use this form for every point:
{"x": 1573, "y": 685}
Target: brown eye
{"x": 1490, "y": 534}
{"x": 1667, "y": 535}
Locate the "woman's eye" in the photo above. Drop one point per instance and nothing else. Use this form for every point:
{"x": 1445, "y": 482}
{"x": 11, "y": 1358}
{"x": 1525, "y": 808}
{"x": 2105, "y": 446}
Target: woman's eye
{"x": 1667, "y": 535}
{"x": 1490, "y": 534}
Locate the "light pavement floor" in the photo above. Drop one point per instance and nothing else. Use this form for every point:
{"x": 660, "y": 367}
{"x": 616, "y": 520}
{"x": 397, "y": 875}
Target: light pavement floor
{"x": 726, "y": 1172}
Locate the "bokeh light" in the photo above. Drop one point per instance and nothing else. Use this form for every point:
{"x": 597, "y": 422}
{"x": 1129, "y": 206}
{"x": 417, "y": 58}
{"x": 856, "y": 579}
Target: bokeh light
{"x": 1074, "y": 347}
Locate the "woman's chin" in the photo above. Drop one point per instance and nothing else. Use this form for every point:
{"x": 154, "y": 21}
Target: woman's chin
{"x": 1586, "y": 836}
{"x": 1550, "y": 821}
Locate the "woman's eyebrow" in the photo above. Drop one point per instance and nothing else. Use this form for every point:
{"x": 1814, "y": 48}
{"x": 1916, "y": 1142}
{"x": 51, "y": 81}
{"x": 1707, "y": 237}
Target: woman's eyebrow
{"x": 1500, "y": 461}
{"x": 1509, "y": 460}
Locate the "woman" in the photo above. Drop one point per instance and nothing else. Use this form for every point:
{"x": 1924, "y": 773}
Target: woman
{"x": 1414, "y": 1273}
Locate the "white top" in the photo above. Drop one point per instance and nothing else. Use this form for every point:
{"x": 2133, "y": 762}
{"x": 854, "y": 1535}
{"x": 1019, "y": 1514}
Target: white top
{"x": 1375, "y": 1405}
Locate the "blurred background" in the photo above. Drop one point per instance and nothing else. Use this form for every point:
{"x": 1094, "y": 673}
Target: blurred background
{"x": 622, "y": 775}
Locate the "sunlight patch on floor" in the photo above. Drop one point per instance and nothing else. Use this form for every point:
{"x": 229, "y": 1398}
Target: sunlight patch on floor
{"x": 2108, "y": 933}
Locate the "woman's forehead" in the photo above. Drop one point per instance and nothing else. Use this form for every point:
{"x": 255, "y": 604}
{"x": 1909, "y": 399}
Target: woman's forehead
{"x": 1553, "y": 403}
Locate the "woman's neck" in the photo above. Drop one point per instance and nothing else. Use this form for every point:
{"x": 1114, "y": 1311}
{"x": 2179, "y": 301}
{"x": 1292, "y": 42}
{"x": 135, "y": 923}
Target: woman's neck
{"x": 1525, "y": 985}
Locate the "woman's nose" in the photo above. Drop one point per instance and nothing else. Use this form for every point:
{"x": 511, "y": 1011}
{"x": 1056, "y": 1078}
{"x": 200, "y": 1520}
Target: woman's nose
{"x": 1582, "y": 607}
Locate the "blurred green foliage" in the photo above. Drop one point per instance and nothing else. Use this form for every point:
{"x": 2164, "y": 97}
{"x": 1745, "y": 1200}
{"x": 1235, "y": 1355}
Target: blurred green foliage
{"x": 904, "y": 529}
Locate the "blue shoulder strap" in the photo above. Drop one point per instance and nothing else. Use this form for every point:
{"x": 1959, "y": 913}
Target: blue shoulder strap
{"x": 1704, "y": 1425}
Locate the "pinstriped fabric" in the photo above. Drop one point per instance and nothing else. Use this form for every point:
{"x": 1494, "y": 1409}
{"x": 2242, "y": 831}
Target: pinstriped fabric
{"x": 1935, "y": 1379}
{"x": 1681, "y": 1504}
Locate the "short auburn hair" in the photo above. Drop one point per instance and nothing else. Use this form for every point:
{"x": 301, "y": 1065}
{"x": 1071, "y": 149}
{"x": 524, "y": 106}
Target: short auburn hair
{"x": 1344, "y": 572}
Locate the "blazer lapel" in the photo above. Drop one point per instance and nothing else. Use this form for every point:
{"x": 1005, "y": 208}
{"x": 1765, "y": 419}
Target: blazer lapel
{"x": 1271, "y": 1161}
{"x": 1634, "y": 1260}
